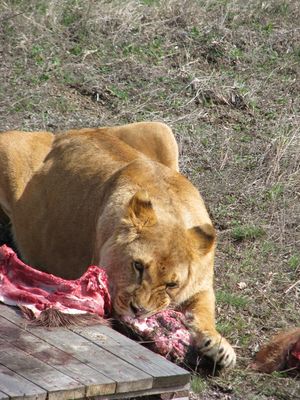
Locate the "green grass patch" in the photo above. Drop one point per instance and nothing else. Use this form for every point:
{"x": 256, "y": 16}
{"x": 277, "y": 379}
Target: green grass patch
{"x": 247, "y": 232}
{"x": 40, "y": 78}
{"x": 119, "y": 93}
{"x": 37, "y": 53}
{"x": 294, "y": 261}
{"x": 71, "y": 13}
{"x": 275, "y": 192}
{"x": 225, "y": 328}
{"x": 267, "y": 247}
{"x": 153, "y": 50}
{"x": 198, "y": 384}
{"x": 149, "y": 2}
{"x": 236, "y": 54}
{"x": 227, "y": 298}
{"x": 76, "y": 50}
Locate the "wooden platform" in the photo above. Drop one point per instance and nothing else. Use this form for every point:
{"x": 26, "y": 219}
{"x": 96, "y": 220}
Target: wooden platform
{"x": 59, "y": 363}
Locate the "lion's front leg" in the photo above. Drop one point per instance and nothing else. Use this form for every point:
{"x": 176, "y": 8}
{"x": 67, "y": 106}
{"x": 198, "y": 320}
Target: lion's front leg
{"x": 208, "y": 339}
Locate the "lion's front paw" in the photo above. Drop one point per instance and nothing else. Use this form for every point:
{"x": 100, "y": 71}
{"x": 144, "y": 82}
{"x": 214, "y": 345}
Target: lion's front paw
{"x": 217, "y": 348}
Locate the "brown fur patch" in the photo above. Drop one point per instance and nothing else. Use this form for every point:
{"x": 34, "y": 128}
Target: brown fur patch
{"x": 54, "y": 318}
{"x": 275, "y": 355}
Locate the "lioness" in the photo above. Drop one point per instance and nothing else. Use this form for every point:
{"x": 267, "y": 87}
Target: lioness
{"x": 114, "y": 197}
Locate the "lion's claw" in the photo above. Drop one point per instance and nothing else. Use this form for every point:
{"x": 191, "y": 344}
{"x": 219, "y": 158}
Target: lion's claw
{"x": 218, "y": 349}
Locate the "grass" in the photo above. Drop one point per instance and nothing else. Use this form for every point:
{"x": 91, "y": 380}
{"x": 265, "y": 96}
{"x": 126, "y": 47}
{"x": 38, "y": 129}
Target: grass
{"x": 199, "y": 385}
{"x": 228, "y": 298}
{"x": 224, "y": 75}
{"x": 243, "y": 232}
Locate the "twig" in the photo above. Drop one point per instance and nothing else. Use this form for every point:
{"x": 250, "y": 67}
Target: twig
{"x": 215, "y": 360}
{"x": 291, "y": 287}
{"x": 11, "y": 16}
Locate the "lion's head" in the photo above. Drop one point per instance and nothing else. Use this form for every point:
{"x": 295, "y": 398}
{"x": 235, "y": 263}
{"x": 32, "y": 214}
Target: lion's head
{"x": 153, "y": 262}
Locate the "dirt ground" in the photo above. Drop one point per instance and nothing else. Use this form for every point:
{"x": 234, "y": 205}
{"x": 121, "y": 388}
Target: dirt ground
{"x": 224, "y": 75}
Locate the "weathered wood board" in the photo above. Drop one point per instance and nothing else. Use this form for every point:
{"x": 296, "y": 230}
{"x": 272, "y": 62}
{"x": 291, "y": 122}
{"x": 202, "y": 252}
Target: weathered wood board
{"x": 3, "y": 396}
{"x": 16, "y": 387}
{"x": 59, "y": 363}
{"x": 162, "y": 371}
{"x": 60, "y": 360}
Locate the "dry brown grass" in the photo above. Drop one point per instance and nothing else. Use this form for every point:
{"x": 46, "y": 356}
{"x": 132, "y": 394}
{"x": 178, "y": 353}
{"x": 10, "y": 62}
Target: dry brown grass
{"x": 225, "y": 75}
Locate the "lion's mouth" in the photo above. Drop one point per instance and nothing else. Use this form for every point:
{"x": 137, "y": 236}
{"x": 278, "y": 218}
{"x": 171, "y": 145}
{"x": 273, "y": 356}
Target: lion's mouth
{"x": 137, "y": 311}
{"x": 126, "y": 305}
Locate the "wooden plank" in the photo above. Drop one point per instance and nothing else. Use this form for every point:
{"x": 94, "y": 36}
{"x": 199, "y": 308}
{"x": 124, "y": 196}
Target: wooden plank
{"x": 128, "y": 378}
{"x": 103, "y": 335}
{"x": 19, "y": 388}
{"x": 3, "y": 396}
{"x": 163, "y": 371}
{"x": 94, "y": 382}
{"x": 176, "y": 393}
{"x": 58, "y": 385}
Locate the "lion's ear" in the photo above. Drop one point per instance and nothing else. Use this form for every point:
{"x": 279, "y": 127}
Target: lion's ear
{"x": 140, "y": 210}
{"x": 205, "y": 237}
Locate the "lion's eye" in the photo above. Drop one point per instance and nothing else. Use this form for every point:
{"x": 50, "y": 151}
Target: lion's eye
{"x": 172, "y": 285}
{"x": 138, "y": 266}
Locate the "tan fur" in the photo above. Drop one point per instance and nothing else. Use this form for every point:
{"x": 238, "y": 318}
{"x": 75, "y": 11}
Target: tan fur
{"x": 21, "y": 154}
{"x": 112, "y": 197}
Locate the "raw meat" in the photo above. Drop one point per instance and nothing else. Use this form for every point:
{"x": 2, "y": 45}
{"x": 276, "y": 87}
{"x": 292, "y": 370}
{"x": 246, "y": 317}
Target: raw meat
{"x": 165, "y": 333}
{"x": 37, "y": 292}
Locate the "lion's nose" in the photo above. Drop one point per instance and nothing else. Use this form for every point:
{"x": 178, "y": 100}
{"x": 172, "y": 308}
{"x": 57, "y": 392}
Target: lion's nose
{"x": 137, "y": 311}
